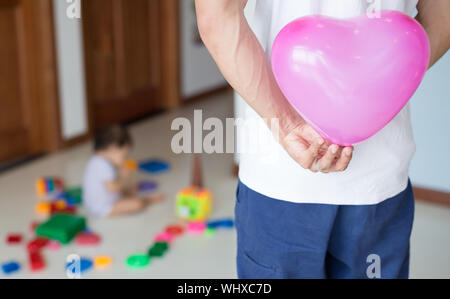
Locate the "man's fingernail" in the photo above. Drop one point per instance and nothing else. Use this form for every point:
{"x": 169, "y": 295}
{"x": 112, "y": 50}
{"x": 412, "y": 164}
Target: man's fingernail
{"x": 320, "y": 141}
{"x": 334, "y": 149}
{"x": 348, "y": 152}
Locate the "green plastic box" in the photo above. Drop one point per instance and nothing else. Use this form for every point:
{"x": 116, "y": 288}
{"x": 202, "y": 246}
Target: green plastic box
{"x": 62, "y": 228}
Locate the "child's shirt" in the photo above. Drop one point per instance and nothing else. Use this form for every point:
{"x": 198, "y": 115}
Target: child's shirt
{"x": 97, "y": 199}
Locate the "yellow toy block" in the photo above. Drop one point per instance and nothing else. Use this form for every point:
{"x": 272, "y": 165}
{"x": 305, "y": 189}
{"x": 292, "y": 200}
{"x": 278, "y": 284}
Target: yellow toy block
{"x": 194, "y": 204}
{"x": 43, "y": 208}
{"x": 131, "y": 165}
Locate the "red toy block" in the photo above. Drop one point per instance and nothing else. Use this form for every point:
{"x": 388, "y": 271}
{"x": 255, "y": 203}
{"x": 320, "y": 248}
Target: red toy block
{"x": 37, "y": 262}
{"x": 54, "y": 209}
{"x": 175, "y": 230}
{"x": 87, "y": 239}
{"x": 13, "y": 239}
{"x": 37, "y": 244}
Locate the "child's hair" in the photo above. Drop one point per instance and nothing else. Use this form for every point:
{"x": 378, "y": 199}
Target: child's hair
{"x": 112, "y": 135}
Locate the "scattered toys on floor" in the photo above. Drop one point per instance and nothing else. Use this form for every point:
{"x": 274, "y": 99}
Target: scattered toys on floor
{"x": 62, "y": 227}
{"x": 10, "y": 267}
{"x": 87, "y": 239}
{"x": 36, "y": 260}
{"x": 47, "y": 187}
{"x": 37, "y": 244}
{"x": 154, "y": 166}
{"x": 14, "y": 239}
{"x": 225, "y": 223}
{"x": 193, "y": 204}
{"x": 138, "y": 261}
{"x": 131, "y": 165}
{"x": 147, "y": 186}
{"x": 196, "y": 228}
{"x": 102, "y": 262}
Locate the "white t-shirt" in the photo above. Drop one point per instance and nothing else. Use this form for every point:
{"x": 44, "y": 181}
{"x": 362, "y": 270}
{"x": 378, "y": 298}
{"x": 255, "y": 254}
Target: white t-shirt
{"x": 379, "y": 169}
{"x": 96, "y": 197}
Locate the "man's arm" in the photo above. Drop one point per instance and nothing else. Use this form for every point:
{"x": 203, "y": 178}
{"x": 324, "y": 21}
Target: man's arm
{"x": 434, "y": 15}
{"x": 243, "y": 62}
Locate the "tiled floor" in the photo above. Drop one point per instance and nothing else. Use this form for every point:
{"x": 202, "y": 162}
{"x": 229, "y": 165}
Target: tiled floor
{"x": 189, "y": 257}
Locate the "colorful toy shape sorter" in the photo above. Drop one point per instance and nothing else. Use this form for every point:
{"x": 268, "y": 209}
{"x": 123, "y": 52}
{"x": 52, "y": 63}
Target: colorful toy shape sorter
{"x": 61, "y": 227}
{"x": 46, "y": 187}
{"x": 194, "y": 204}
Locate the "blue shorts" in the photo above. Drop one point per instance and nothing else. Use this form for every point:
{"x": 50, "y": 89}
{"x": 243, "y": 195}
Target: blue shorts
{"x": 278, "y": 239}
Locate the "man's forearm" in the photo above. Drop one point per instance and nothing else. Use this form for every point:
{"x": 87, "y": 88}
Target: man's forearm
{"x": 434, "y": 15}
{"x": 242, "y": 60}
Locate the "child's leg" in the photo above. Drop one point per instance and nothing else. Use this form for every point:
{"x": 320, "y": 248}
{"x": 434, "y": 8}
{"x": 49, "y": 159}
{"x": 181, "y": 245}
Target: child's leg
{"x": 128, "y": 205}
{"x": 154, "y": 198}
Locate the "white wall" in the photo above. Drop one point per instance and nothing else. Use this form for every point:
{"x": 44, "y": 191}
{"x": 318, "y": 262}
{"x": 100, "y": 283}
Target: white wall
{"x": 69, "y": 48}
{"x": 199, "y": 72}
{"x": 431, "y": 123}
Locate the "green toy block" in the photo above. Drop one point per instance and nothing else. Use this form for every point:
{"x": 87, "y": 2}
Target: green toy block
{"x": 62, "y": 228}
{"x": 76, "y": 194}
{"x": 158, "y": 249}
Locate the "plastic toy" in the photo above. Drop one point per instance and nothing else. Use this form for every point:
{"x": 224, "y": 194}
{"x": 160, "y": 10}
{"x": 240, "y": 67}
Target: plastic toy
{"x": 85, "y": 264}
{"x": 225, "y": 223}
{"x": 62, "y": 227}
{"x": 37, "y": 244}
{"x": 154, "y": 166}
{"x": 175, "y": 230}
{"x": 58, "y": 208}
{"x": 342, "y": 65}
{"x": 138, "y": 261}
{"x": 147, "y": 186}
{"x": 73, "y": 196}
{"x": 43, "y": 208}
{"x": 47, "y": 187}
{"x": 209, "y": 232}
{"x": 54, "y": 245}
{"x": 164, "y": 237}
{"x": 102, "y": 262}
{"x": 193, "y": 204}
{"x": 36, "y": 260}
{"x": 158, "y": 249}
{"x": 34, "y": 225}
{"x": 10, "y": 268}
{"x": 14, "y": 239}
{"x": 131, "y": 165}
{"x": 196, "y": 228}
{"x": 87, "y": 239}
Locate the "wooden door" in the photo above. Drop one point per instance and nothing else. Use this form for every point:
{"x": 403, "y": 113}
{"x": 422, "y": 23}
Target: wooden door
{"x": 122, "y": 52}
{"x": 27, "y": 79}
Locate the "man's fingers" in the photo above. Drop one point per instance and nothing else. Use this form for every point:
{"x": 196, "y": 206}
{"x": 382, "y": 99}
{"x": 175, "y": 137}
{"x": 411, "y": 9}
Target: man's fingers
{"x": 344, "y": 160}
{"x": 326, "y": 162}
{"x": 310, "y": 155}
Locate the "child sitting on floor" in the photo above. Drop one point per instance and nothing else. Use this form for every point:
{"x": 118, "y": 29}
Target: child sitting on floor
{"x": 106, "y": 184}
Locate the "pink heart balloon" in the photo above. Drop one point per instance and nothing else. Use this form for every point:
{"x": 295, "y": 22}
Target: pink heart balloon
{"x": 349, "y": 78}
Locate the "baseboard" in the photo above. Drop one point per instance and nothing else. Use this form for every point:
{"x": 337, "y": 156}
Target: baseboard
{"x": 433, "y": 196}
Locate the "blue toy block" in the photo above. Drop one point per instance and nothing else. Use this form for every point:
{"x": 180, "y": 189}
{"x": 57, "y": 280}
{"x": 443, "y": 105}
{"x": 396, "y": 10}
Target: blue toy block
{"x": 225, "y": 223}
{"x": 147, "y": 186}
{"x": 10, "y": 268}
{"x": 154, "y": 166}
{"x": 85, "y": 265}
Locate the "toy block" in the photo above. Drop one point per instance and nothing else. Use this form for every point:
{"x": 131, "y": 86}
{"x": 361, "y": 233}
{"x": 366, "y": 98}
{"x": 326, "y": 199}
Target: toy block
{"x": 54, "y": 245}
{"x": 102, "y": 262}
{"x": 47, "y": 187}
{"x": 158, "y": 249}
{"x": 154, "y": 166}
{"x": 193, "y": 204}
{"x": 62, "y": 227}
{"x": 10, "y": 268}
{"x": 36, "y": 260}
{"x": 196, "y": 228}
{"x": 138, "y": 261}
{"x": 37, "y": 244}
{"x": 87, "y": 239}
{"x": 131, "y": 165}
{"x": 43, "y": 208}
{"x": 74, "y": 196}
{"x": 209, "y": 232}
{"x": 175, "y": 230}
{"x": 14, "y": 239}
{"x": 225, "y": 223}
{"x": 57, "y": 209}
{"x": 79, "y": 266}
{"x": 147, "y": 186}
{"x": 163, "y": 237}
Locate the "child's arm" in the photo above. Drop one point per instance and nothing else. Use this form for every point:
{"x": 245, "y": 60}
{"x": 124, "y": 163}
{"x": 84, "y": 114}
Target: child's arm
{"x": 121, "y": 184}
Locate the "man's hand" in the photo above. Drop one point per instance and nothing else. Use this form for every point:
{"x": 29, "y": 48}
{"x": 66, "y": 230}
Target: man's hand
{"x": 311, "y": 151}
